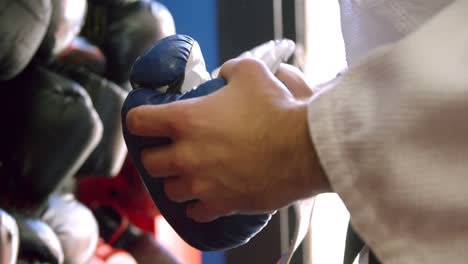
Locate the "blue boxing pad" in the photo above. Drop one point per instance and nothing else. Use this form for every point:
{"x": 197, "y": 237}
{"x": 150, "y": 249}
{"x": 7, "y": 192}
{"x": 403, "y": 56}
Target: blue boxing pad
{"x": 173, "y": 69}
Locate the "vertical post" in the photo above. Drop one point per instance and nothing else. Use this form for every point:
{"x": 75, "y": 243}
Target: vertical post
{"x": 278, "y": 19}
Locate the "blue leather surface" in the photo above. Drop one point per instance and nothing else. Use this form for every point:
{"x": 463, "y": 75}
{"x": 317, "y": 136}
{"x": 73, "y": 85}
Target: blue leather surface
{"x": 163, "y": 63}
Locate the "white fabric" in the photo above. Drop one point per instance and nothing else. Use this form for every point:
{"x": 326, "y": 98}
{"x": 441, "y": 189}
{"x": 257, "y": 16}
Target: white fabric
{"x": 195, "y": 71}
{"x": 392, "y": 135}
{"x": 367, "y": 24}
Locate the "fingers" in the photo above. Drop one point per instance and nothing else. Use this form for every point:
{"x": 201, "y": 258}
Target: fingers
{"x": 177, "y": 170}
{"x": 226, "y": 70}
{"x": 247, "y": 66}
{"x": 154, "y": 120}
{"x": 201, "y": 212}
{"x": 161, "y": 161}
{"x": 255, "y": 70}
{"x": 294, "y": 79}
{"x": 179, "y": 189}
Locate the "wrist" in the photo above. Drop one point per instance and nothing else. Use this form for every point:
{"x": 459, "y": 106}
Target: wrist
{"x": 311, "y": 177}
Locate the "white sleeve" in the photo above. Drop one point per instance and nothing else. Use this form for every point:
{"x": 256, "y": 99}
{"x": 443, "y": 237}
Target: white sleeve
{"x": 392, "y": 136}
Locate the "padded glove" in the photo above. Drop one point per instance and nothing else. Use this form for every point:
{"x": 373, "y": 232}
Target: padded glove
{"x": 38, "y": 242}
{"x": 107, "y": 97}
{"x": 169, "y": 71}
{"x": 123, "y": 29}
{"x": 51, "y": 130}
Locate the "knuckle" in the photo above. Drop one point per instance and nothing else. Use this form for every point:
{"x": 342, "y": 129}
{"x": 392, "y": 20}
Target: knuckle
{"x": 249, "y": 65}
{"x": 177, "y": 164}
{"x": 179, "y": 124}
{"x": 198, "y": 188}
{"x": 146, "y": 161}
{"x": 179, "y": 161}
{"x": 168, "y": 187}
{"x": 193, "y": 213}
{"x": 201, "y": 215}
{"x": 183, "y": 162}
{"x": 171, "y": 192}
{"x": 133, "y": 120}
{"x": 174, "y": 127}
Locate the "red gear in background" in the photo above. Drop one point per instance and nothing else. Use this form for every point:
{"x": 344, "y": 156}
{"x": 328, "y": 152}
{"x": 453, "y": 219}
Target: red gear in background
{"x": 125, "y": 193}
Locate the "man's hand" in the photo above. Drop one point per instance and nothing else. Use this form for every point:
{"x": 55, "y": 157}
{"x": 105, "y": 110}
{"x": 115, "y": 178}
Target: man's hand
{"x": 243, "y": 149}
{"x": 294, "y": 79}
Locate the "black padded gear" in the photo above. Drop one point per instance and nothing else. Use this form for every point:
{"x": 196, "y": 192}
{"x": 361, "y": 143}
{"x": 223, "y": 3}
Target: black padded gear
{"x": 50, "y": 129}
{"x": 107, "y": 97}
{"x": 123, "y": 29}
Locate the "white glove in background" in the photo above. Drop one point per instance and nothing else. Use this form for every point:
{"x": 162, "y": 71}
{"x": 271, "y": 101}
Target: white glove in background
{"x": 75, "y": 226}
{"x": 9, "y": 239}
{"x": 272, "y": 53}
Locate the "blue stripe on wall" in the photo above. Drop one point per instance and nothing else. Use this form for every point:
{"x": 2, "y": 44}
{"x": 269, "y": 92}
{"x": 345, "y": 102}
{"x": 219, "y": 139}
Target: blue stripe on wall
{"x": 197, "y": 18}
{"x": 214, "y": 257}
